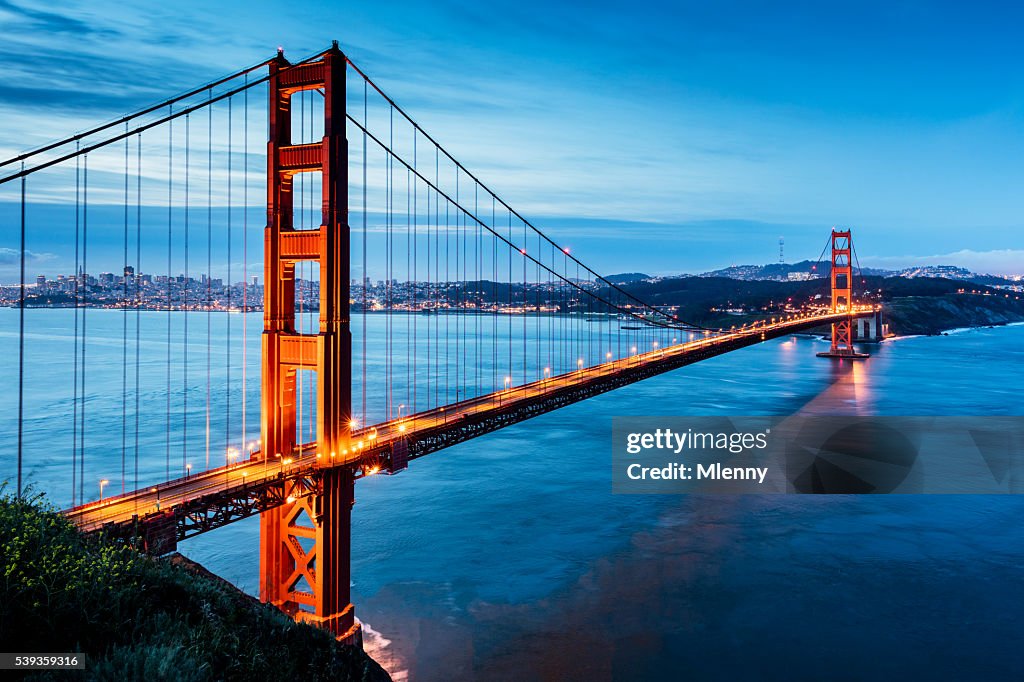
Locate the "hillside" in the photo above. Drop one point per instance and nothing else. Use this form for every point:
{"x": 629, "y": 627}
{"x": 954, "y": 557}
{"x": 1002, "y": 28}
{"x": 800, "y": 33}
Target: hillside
{"x": 933, "y": 315}
{"x": 918, "y": 305}
{"x": 139, "y": 618}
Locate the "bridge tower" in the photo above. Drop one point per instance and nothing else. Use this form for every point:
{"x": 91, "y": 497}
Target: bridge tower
{"x": 842, "y": 297}
{"x": 304, "y": 555}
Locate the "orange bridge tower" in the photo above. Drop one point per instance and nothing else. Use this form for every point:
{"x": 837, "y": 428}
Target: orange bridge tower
{"x": 842, "y": 297}
{"x": 305, "y": 543}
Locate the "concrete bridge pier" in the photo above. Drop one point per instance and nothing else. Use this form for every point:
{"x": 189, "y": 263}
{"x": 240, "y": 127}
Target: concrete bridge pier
{"x": 870, "y": 329}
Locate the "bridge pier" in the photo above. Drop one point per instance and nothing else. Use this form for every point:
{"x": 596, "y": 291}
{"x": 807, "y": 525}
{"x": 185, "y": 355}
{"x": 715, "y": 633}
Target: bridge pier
{"x": 305, "y": 558}
{"x": 870, "y": 329}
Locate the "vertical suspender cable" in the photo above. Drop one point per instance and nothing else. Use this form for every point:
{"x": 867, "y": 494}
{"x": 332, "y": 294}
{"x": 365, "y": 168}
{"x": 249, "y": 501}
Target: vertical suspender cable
{"x": 170, "y": 213}
{"x": 494, "y": 302}
{"x": 78, "y": 273}
{"x": 427, "y": 299}
{"x": 85, "y": 293}
{"x": 447, "y": 296}
{"x": 138, "y": 299}
{"x": 245, "y": 252}
{"x": 511, "y": 373}
{"x": 551, "y": 316}
{"x": 465, "y": 309}
{"x": 389, "y": 192}
{"x": 366, "y": 277}
{"x": 21, "y": 337}
{"x": 408, "y": 279}
{"x": 229, "y": 219}
{"x": 209, "y": 270}
{"x": 478, "y": 267}
{"x": 525, "y": 306}
{"x": 538, "y": 341}
{"x": 415, "y": 272}
{"x": 458, "y": 297}
{"x": 437, "y": 281}
{"x": 124, "y": 329}
{"x": 184, "y": 290}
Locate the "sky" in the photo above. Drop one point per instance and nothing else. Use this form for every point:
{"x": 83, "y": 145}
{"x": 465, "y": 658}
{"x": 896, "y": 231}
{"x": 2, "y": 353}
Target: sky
{"x": 655, "y": 137}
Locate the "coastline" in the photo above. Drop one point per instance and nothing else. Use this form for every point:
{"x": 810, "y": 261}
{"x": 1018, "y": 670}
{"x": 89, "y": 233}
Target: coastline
{"x": 951, "y": 331}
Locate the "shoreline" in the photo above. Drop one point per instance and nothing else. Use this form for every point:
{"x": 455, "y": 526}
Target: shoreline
{"x": 952, "y": 331}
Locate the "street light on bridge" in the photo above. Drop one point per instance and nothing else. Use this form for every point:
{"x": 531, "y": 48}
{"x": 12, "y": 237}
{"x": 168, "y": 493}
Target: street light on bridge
{"x": 232, "y": 455}
{"x": 103, "y": 482}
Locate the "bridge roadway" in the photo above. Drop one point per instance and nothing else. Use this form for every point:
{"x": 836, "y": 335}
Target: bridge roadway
{"x": 177, "y": 509}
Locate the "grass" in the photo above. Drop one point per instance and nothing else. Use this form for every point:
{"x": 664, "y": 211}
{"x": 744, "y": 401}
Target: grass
{"x": 139, "y": 618}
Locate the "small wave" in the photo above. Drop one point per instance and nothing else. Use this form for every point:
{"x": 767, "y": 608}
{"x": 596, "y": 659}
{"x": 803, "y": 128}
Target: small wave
{"x": 376, "y": 647}
{"x": 894, "y": 339}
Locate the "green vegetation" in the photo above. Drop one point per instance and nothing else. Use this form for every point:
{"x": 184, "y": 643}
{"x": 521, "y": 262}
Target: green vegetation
{"x": 919, "y": 305}
{"x": 935, "y": 314}
{"x": 139, "y": 618}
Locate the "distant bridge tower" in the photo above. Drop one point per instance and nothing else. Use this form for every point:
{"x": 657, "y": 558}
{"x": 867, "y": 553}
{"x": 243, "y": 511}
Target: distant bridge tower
{"x": 304, "y": 543}
{"x": 842, "y": 297}
{"x": 782, "y": 243}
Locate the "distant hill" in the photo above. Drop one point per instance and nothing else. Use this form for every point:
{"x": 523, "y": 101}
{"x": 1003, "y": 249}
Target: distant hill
{"x": 627, "y": 277}
{"x": 804, "y": 269}
{"x": 918, "y": 305}
{"x": 810, "y": 270}
{"x": 953, "y": 272}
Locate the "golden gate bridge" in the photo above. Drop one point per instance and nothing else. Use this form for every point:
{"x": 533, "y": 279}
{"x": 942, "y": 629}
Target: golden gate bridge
{"x": 481, "y": 318}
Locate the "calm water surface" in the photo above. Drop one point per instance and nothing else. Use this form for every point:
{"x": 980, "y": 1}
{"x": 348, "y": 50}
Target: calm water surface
{"x": 508, "y": 558}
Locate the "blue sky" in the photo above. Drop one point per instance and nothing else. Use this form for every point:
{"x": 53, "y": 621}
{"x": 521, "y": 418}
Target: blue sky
{"x": 656, "y": 137}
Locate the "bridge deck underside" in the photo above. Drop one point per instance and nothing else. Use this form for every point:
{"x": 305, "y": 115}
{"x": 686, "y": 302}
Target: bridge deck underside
{"x": 172, "y": 511}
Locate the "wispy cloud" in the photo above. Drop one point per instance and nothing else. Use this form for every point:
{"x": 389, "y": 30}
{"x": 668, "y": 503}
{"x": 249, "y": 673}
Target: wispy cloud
{"x": 9, "y": 256}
